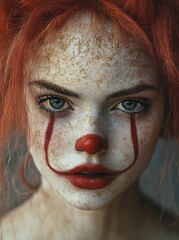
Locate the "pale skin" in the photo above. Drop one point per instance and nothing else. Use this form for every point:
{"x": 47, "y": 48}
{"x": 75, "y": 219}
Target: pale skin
{"x": 91, "y": 66}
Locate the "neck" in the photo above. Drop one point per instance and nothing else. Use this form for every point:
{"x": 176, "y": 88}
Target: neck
{"x": 82, "y": 223}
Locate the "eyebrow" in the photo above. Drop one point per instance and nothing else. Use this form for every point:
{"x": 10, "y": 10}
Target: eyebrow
{"x": 42, "y": 84}
{"x": 136, "y": 89}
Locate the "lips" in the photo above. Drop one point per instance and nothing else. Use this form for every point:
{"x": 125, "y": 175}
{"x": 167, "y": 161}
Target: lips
{"x": 90, "y": 176}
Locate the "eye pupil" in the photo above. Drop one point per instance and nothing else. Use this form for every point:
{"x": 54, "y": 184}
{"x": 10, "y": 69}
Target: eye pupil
{"x": 56, "y": 103}
{"x": 129, "y": 104}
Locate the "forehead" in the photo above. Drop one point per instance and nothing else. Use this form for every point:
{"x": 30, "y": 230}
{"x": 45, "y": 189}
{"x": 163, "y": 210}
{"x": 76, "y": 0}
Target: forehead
{"x": 85, "y": 53}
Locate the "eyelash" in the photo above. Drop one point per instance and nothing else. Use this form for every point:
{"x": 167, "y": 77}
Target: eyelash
{"x": 145, "y": 104}
{"x": 60, "y": 112}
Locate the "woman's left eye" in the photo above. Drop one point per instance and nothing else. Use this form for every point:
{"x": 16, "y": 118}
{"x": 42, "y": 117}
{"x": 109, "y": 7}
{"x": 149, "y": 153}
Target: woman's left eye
{"x": 131, "y": 106}
{"x": 53, "y": 104}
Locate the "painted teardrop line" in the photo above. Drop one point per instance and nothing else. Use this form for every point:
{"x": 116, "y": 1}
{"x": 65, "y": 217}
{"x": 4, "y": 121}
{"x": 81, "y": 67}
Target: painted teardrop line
{"x": 134, "y": 138}
{"x": 135, "y": 143}
{"x": 48, "y": 135}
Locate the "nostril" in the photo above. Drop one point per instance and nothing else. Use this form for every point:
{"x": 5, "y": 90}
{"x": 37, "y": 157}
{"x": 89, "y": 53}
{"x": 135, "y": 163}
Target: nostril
{"x": 91, "y": 143}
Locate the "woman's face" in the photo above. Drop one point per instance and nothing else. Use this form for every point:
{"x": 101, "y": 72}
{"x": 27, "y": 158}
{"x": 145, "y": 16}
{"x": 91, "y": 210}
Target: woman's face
{"x": 84, "y": 82}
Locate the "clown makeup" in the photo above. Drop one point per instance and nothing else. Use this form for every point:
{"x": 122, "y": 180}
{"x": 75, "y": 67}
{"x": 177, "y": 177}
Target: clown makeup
{"x": 95, "y": 109}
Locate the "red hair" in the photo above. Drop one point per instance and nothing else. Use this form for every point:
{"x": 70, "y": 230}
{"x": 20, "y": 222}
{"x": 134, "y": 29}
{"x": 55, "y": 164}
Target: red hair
{"x": 152, "y": 24}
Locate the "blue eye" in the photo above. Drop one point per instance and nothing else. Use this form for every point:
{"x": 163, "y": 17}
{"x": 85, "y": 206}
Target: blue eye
{"x": 53, "y": 104}
{"x": 131, "y": 106}
{"x": 56, "y": 103}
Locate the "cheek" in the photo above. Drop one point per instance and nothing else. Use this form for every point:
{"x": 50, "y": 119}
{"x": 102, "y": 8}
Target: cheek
{"x": 124, "y": 145}
{"x": 37, "y": 126}
{"x": 39, "y": 135}
{"x": 148, "y": 133}
{"x": 56, "y": 145}
{"x": 47, "y": 138}
{"x": 134, "y": 141}
{"x": 50, "y": 143}
{"x": 48, "y": 133}
{"x": 36, "y": 135}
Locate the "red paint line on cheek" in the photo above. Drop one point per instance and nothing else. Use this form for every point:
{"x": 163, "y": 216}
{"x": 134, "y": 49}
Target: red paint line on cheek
{"x": 48, "y": 132}
{"x": 134, "y": 138}
{"x": 135, "y": 143}
{"x": 48, "y": 135}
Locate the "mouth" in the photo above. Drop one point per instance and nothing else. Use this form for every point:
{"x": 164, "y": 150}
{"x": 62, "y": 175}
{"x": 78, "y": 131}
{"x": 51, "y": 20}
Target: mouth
{"x": 90, "y": 176}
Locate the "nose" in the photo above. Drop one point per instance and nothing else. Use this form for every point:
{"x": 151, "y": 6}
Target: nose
{"x": 91, "y": 143}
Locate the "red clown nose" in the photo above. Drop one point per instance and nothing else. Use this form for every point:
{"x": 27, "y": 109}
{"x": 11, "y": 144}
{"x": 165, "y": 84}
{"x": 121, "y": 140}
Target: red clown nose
{"x": 90, "y": 143}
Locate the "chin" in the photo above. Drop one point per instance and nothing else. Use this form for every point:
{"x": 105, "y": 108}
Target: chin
{"x": 88, "y": 199}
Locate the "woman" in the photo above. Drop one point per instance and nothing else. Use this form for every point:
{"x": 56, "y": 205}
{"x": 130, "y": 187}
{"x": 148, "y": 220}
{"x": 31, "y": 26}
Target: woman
{"x": 92, "y": 85}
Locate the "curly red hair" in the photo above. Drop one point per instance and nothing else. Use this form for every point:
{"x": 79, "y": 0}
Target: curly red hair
{"x": 153, "y": 25}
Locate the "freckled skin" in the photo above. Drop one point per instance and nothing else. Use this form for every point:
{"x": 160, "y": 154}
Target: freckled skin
{"x": 93, "y": 64}
{"x": 94, "y": 69}
{"x": 91, "y": 143}
{"x": 68, "y": 59}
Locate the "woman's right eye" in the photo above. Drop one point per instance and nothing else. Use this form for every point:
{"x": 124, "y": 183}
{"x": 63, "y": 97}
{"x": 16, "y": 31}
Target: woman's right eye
{"x": 53, "y": 104}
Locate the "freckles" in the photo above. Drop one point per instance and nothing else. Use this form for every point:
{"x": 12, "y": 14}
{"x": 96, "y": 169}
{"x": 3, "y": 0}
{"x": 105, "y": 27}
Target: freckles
{"x": 48, "y": 132}
{"x": 134, "y": 140}
{"x": 149, "y": 132}
{"x": 48, "y": 135}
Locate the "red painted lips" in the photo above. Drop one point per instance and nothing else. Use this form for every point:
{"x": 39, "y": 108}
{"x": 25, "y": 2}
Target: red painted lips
{"x": 90, "y": 176}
